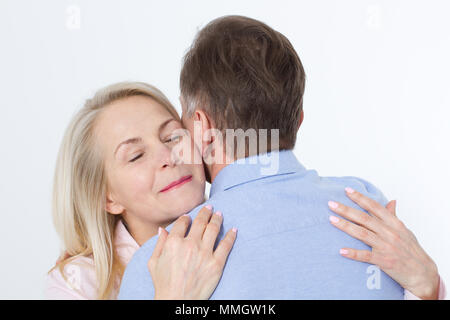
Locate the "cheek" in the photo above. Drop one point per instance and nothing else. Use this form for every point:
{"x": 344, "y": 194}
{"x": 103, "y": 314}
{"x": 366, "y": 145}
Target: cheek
{"x": 197, "y": 191}
{"x": 136, "y": 185}
{"x": 195, "y": 140}
{"x": 199, "y": 172}
{"x": 195, "y": 150}
{"x": 141, "y": 180}
{"x": 186, "y": 152}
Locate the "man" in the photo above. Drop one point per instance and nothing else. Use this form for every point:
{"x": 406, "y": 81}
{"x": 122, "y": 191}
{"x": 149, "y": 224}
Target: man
{"x": 242, "y": 74}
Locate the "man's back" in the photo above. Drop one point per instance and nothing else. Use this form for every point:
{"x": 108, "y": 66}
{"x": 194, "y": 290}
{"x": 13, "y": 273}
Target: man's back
{"x": 286, "y": 247}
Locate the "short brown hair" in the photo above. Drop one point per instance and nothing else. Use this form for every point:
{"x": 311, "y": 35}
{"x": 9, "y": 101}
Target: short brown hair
{"x": 245, "y": 74}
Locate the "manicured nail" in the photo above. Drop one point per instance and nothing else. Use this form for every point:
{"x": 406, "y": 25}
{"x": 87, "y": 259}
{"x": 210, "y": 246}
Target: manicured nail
{"x": 332, "y": 204}
{"x": 349, "y": 190}
{"x": 209, "y": 207}
{"x": 219, "y": 213}
{"x": 334, "y": 219}
{"x": 343, "y": 251}
{"x": 234, "y": 230}
{"x": 159, "y": 230}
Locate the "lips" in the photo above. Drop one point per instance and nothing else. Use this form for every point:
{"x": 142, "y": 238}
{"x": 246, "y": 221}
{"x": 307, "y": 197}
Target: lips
{"x": 177, "y": 183}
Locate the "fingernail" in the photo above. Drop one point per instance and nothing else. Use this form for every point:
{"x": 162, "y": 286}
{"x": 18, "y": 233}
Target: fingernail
{"x": 349, "y": 190}
{"x": 159, "y": 230}
{"x": 219, "y": 213}
{"x": 332, "y": 204}
{"x": 334, "y": 219}
{"x": 209, "y": 207}
{"x": 234, "y": 230}
{"x": 343, "y": 251}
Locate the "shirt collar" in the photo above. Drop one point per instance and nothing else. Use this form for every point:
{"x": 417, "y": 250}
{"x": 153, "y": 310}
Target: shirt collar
{"x": 122, "y": 238}
{"x": 256, "y": 167}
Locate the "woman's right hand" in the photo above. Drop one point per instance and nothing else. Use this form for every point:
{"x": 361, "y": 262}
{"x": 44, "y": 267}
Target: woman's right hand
{"x": 187, "y": 267}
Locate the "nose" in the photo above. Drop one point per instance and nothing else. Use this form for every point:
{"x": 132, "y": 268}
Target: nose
{"x": 167, "y": 159}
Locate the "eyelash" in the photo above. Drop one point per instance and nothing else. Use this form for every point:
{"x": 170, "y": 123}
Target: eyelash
{"x": 137, "y": 157}
{"x": 171, "y": 139}
{"x": 141, "y": 154}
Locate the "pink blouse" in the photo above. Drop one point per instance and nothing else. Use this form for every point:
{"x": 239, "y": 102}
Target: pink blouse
{"x": 80, "y": 273}
{"x": 81, "y": 278}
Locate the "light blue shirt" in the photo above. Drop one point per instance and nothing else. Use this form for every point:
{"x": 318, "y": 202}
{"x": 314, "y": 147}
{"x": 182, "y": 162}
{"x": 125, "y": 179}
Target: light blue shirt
{"x": 286, "y": 248}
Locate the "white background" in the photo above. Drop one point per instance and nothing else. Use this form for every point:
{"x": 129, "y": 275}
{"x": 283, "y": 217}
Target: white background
{"x": 376, "y": 103}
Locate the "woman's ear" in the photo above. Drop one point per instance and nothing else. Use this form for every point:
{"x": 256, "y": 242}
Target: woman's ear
{"x": 112, "y": 206}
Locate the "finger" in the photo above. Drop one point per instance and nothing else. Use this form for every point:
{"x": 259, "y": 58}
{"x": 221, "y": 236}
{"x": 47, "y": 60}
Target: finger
{"x": 160, "y": 243}
{"x": 162, "y": 238}
{"x": 391, "y": 206}
{"x": 368, "y": 204}
{"x": 361, "y": 255}
{"x": 180, "y": 226}
{"x": 358, "y": 232}
{"x": 212, "y": 230}
{"x": 225, "y": 246}
{"x": 355, "y": 215}
{"x": 200, "y": 222}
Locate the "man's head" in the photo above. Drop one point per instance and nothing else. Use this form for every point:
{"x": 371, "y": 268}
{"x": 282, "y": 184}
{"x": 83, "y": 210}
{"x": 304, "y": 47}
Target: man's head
{"x": 239, "y": 74}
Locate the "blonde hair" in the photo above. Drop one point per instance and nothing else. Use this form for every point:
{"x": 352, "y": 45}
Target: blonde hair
{"x": 79, "y": 187}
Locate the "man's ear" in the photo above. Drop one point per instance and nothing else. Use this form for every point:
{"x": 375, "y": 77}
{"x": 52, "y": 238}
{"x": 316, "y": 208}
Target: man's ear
{"x": 301, "y": 120}
{"x": 206, "y": 124}
{"x": 112, "y": 206}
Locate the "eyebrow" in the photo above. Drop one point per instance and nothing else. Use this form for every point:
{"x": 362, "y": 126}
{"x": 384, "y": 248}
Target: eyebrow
{"x": 139, "y": 139}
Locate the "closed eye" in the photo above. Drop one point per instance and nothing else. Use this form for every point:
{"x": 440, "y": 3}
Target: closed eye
{"x": 137, "y": 157}
{"x": 173, "y": 139}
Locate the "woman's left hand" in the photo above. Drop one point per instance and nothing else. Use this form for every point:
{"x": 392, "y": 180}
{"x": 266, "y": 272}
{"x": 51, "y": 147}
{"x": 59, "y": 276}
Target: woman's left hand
{"x": 395, "y": 249}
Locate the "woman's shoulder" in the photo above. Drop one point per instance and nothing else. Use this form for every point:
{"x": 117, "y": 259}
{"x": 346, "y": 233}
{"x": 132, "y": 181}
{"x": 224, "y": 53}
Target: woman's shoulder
{"x": 77, "y": 280}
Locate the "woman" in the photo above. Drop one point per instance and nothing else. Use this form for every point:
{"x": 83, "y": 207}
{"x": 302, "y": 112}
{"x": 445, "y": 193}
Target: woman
{"x": 114, "y": 189}
{"x": 109, "y": 189}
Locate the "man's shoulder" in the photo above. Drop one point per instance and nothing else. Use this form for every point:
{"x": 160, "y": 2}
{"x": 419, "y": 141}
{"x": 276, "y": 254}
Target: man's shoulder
{"x": 136, "y": 278}
{"x": 361, "y": 185}
{"x": 304, "y": 183}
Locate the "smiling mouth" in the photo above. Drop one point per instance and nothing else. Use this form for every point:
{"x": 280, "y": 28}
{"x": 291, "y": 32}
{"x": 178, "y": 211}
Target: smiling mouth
{"x": 177, "y": 183}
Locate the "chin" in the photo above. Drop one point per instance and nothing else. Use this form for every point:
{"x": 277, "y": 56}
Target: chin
{"x": 186, "y": 203}
{"x": 191, "y": 204}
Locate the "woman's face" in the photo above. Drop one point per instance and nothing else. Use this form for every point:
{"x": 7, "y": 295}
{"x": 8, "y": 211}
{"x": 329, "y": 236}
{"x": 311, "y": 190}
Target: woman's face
{"x": 145, "y": 183}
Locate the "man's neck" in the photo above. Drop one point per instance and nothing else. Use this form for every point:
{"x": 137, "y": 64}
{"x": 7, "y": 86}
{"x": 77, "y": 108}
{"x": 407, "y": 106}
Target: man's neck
{"x": 215, "y": 169}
